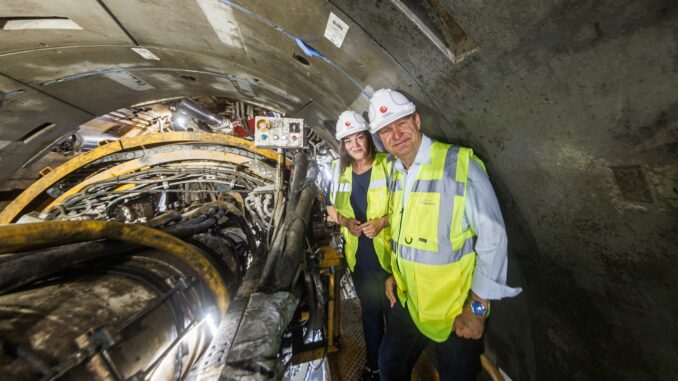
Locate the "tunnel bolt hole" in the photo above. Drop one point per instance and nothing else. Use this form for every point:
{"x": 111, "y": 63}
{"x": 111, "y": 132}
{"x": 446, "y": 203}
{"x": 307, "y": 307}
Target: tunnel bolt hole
{"x": 301, "y": 59}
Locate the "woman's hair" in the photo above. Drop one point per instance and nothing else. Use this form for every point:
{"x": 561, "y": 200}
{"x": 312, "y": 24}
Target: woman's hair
{"x": 345, "y": 160}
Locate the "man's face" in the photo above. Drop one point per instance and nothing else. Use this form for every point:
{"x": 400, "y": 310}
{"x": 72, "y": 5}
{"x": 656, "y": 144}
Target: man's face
{"x": 402, "y": 137}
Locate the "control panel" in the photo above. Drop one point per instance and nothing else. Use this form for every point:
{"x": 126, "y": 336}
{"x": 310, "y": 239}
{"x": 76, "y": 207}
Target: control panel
{"x": 278, "y": 132}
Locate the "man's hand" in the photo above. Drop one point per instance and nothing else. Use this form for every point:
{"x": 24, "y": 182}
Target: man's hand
{"x": 390, "y": 290}
{"x": 468, "y": 325}
{"x": 373, "y": 227}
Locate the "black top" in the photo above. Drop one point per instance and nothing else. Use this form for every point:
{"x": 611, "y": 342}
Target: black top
{"x": 360, "y": 184}
{"x": 366, "y": 257}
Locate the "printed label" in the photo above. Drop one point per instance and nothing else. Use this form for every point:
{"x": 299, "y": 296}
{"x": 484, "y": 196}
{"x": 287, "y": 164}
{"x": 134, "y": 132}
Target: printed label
{"x": 336, "y": 30}
{"x": 146, "y": 54}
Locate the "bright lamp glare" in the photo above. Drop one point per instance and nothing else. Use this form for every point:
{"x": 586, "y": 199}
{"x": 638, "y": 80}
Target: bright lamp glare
{"x": 210, "y": 324}
{"x": 181, "y": 120}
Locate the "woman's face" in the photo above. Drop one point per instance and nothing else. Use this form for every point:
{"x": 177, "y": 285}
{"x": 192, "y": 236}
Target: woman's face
{"x": 356, "y": 145}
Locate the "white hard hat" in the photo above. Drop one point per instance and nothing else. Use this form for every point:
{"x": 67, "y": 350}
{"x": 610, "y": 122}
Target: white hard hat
{"x": 349, "y": 123}
{"x": 386, "y": 106}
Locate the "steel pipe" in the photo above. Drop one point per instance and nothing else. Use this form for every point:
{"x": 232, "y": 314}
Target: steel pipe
{"x": 211, "y": 119}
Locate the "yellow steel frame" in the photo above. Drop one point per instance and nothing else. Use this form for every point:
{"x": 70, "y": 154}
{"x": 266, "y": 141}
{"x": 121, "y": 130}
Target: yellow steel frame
{"x": 16, "y": 207}
{"x": 332, "y": 265}
{"x": 205, "y": 156}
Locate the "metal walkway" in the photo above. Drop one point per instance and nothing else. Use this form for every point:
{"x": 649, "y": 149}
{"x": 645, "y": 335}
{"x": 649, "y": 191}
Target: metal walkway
{"x": 347, "y": 364}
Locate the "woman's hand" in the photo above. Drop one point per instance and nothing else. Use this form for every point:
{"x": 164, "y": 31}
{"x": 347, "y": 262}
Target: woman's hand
{"x": 374, "y": 227}
{"x": 351, "y": 224}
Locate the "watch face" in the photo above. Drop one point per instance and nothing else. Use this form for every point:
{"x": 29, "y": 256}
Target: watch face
{"x": 478, "y": 308}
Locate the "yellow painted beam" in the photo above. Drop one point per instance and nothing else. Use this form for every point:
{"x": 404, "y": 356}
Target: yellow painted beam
{"x": 150, "y": 161}
{"x": 16, "y": 207}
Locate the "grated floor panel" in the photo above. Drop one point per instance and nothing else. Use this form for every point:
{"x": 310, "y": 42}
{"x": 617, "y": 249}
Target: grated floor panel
{"x": 351, "y": 356}
{"x": 347, "y": 363}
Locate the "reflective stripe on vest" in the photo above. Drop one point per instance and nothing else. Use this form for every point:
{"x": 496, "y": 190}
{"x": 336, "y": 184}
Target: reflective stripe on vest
{"x": 377, "y": 207}
{"x": 433, "y": 257}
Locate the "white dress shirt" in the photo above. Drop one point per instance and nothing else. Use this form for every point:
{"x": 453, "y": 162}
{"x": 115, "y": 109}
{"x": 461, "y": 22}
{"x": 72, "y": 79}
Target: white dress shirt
{"x": 483, "y": 215}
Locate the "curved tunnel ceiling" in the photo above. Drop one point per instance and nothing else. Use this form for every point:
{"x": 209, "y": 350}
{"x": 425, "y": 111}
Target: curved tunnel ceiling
{"x": 572, "y": 105}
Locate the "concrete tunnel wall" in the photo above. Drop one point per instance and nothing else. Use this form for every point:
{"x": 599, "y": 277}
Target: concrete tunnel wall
{"x": 572, "y": 106}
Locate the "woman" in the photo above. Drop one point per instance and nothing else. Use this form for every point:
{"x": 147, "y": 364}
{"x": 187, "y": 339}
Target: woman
{"x": 358, "y": 196}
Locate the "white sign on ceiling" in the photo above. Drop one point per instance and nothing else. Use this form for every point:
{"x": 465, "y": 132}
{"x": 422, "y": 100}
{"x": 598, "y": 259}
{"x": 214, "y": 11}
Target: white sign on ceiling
{"x": 336, "y": 30}
{"x": 147, "y": 54}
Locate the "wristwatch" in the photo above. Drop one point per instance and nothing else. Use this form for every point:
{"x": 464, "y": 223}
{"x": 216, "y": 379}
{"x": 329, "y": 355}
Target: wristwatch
{"x": 479, "y": 309}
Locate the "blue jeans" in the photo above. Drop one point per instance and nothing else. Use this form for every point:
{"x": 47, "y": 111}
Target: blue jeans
{"x": 458, "y": 358}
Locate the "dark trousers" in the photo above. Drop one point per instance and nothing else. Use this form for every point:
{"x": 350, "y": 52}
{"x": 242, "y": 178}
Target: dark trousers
{"x": 458, "y": 358}
{"x": 369, "y": 285}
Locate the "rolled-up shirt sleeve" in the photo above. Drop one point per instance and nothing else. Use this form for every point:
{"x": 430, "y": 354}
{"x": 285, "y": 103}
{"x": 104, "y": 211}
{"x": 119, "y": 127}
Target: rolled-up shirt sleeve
{"x": 483, "y": 215}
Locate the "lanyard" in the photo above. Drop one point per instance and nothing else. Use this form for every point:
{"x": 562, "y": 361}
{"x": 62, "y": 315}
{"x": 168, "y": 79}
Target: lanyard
{"x": 391, "y": 188}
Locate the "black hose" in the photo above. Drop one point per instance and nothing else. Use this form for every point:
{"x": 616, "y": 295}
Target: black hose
{"x": 36, "y": 265}
{"x": 267, "y": 283}
{"x": 222, "y": 251}
{"x": 229, "y": 209}
{"x": 280, "y": 270}
{"x": 164, "y": 219}
{"x": 295, "y": 242}
{"x": 300, "y": 172}
{"x": 189, "y": 229}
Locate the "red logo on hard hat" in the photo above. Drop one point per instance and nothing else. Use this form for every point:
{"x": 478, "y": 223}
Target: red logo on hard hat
{"x": 347, "y": 124}
{"x": 383, "y": 109}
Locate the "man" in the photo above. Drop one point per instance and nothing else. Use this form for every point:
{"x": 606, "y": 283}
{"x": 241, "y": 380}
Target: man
{"x": 449, "y": 247}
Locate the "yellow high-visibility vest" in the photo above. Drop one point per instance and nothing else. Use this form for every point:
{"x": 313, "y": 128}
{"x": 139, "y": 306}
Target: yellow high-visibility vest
{"x": 377, "y": 207}
{"x": 433, "y": 258}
